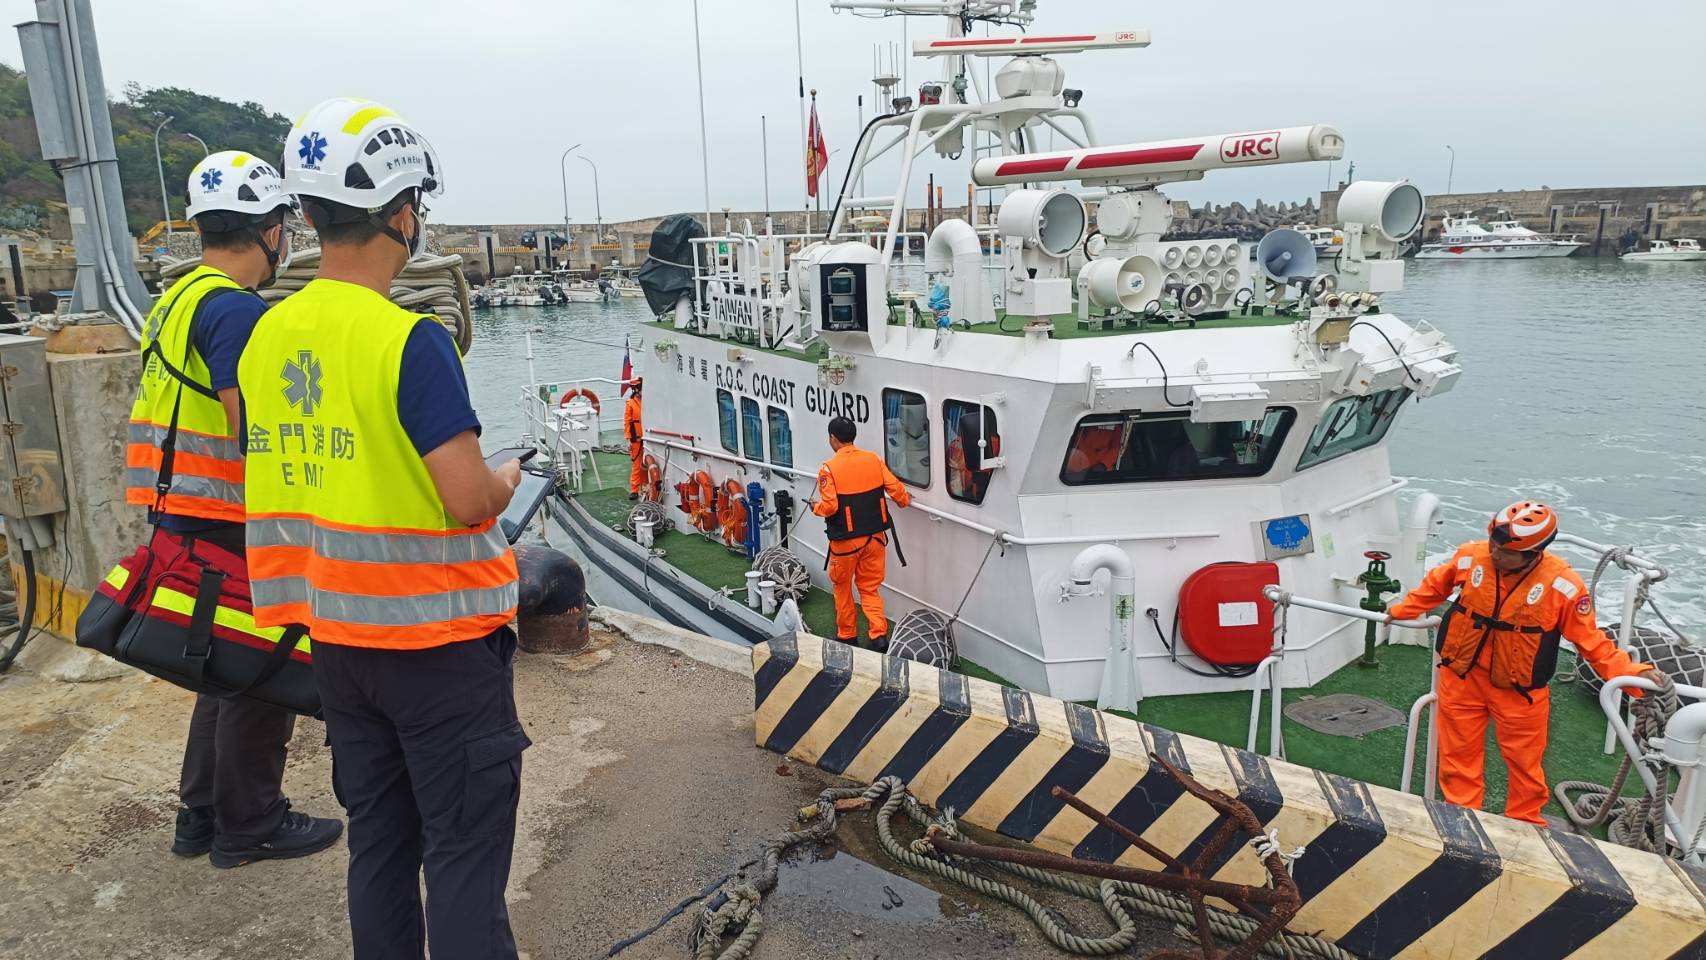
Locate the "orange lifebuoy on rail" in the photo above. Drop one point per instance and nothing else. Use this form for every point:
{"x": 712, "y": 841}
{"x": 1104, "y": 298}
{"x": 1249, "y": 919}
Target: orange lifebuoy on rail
{"x": 581, "y": 392}
{"x": 704, "y": 502}
{"x": 731, "y": 513}
{"x": 653, "y": 474}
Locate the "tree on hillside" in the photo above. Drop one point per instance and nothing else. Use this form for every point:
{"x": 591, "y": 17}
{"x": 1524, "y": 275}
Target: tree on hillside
{"x": 26, "y": 179}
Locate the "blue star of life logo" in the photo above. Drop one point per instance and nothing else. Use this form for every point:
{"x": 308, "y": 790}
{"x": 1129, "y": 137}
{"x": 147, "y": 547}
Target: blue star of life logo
{"x": 210, "y": 180}
{"x": 312, "y": 149}
{"x": 302, "y": 382}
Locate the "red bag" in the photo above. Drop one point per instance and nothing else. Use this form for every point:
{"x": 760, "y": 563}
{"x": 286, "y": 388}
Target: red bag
{"x": 180, "y": 609}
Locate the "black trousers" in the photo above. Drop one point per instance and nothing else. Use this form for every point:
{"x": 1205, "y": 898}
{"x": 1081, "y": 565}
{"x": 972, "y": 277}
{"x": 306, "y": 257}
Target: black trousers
{"x": 426, "y": 760}
{"x": 234, "y": 754}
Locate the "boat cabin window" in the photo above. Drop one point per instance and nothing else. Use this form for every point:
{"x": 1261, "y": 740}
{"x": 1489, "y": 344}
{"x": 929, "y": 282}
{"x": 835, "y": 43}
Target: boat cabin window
{"x": 781, "y": 437}
{"x": 968, "y": 424}
{"x": 727, "y": 431}
{"x": 1352, "y": 424}
{"x": 906, "y": 436}
{"x": 752, "y": 428}
{"x": 1142, "y": 447}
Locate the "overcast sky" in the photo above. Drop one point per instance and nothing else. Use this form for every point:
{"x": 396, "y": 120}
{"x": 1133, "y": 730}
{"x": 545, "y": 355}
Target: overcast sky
{"x": 1529, "y": 92}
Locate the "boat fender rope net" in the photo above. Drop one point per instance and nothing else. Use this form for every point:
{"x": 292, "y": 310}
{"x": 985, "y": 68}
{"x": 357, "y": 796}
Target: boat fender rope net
{"x": 730, "y": 923}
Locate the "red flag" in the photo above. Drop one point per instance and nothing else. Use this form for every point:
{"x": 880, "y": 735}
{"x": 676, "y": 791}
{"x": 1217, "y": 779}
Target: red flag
{"x": 627, "y": 371}
{"x": 817, "y": 155}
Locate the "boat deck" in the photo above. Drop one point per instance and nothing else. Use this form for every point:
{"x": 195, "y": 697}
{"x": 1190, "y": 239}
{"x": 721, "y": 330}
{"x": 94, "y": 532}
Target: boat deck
{"x": 1578, "y": 728}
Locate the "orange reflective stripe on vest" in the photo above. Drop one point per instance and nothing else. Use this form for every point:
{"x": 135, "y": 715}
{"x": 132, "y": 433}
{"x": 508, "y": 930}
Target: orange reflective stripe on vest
{"x": 1510, "y": 626}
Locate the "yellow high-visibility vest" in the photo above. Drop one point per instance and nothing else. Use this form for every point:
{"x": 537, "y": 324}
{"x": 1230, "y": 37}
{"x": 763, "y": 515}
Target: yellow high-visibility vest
{"x": 346, "y": 533}
{"x": 207, "y": 465}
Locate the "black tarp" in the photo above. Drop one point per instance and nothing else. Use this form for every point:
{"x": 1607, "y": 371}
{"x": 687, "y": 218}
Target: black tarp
{"x": 668, "y": 270}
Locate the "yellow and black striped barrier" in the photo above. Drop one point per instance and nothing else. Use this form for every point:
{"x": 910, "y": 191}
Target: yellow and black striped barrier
{"x": 1385, "y": 874}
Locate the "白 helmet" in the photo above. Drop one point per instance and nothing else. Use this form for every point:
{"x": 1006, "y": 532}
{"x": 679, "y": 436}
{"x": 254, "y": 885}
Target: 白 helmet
{"x": 232, "y": 181}
{"x": 359, "y": 156}
{"x": 1523, "y": 526}
{"x": 232, "y": 190}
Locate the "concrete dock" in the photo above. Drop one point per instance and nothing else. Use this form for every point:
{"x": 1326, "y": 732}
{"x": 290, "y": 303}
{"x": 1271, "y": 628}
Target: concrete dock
{"x": 642, "y": 787}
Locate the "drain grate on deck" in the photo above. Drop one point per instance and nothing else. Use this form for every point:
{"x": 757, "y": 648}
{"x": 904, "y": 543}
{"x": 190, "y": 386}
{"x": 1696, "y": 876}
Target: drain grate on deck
{"x": 1344, "y": 714}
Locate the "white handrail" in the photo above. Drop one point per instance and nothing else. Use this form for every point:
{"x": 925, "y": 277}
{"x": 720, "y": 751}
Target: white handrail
{"x": 1628, "y": 559}
{"x": 1277, "y": 595}
{"x": 1385, "y": 491}
{"x": 1610, "y": 702}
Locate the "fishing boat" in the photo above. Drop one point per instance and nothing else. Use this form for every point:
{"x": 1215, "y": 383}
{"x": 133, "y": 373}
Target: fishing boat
{"x": 1466, "y": 238}
{"x": 1137, "y": 484}
{"x": 1325, "y": 240}
{"x": 1664, "y": 251}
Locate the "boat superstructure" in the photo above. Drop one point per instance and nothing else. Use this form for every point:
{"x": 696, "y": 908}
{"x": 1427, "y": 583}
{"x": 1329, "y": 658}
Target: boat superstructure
{"x": 1151, "y": 410}
{"x": 1467, "y": 238}
{"x": 1668, "y": 251}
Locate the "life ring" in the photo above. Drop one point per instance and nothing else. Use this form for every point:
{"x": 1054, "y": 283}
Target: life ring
{"x": 731, "y": 513}
{"x": 581, "y": 392}
{"x": 653, "y": 474}
{"x": 704, "y": 506}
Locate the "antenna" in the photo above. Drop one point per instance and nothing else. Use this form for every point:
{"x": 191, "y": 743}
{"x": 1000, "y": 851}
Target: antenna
{"x": 1164, "y": 161}
{"x": 1030, "y": 46}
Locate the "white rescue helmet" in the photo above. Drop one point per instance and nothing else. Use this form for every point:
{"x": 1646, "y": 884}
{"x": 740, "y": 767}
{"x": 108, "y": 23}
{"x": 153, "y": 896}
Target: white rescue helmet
{"x": 235, "y": 190}
{"x": 233, "y": 181}
{"x": 360, "y": 155}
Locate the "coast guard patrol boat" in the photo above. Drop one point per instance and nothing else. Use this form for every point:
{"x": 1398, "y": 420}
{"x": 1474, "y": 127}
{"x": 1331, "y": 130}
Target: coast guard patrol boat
{"x": 1113, "y": 469}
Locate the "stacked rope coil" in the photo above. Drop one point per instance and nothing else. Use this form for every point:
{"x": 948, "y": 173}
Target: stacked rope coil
{"x": 729, "y": 925}
{"x": 432, "y": 284}
{"x": 1630, "y": 821}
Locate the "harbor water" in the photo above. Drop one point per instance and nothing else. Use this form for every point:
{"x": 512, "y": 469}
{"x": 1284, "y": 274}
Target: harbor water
{"x": 1581, "y": 388}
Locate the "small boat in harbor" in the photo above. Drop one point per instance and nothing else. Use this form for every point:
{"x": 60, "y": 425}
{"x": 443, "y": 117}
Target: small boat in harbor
{"x": 1466, "y": 238}
{"x": 1667, "y": 251}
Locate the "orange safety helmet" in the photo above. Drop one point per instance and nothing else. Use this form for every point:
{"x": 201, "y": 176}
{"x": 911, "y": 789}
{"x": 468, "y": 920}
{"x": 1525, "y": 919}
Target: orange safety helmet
{"x": 1523, "y": 526}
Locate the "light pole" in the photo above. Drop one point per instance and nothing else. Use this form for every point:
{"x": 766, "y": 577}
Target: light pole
{"x": 204, "y": 150}
{"x": 165, "y": 203}
{"x": 764, "y": 140}
{"x": 563, "y": 167}
{"x": 597, "y": 204}
{"x": 1449, "y": 171}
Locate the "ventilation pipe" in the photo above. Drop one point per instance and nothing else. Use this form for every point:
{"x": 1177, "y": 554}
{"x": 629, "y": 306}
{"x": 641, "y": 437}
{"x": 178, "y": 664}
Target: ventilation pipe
{"x": 954, "y": 248}
{"x": 1684, "y": 747}
{"x": 1121, "y": 689}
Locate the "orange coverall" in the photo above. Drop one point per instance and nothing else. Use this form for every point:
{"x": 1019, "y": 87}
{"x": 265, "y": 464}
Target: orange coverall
{"x": 1549, "y": 596}
{"x": 860, "y": 560}
{"x": 632, "y": 430}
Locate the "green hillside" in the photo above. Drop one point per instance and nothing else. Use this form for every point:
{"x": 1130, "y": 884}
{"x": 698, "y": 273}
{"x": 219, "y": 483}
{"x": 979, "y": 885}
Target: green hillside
{"x": 26, "y": 180}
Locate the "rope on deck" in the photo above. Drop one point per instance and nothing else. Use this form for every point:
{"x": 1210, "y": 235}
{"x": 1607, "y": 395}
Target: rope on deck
{"x": 729, "y": 925}
{"x": 1639, "y": 821}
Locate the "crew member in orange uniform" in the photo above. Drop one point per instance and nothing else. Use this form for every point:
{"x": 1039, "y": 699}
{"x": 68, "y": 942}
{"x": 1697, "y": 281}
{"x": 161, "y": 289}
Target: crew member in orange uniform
{"x": 851, "y": 488}
{"x": 1498, "y": 647}
{"x": 635, "y": 435}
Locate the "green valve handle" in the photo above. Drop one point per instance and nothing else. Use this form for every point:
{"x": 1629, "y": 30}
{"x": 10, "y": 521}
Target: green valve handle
{"x": 1376, "y": 582}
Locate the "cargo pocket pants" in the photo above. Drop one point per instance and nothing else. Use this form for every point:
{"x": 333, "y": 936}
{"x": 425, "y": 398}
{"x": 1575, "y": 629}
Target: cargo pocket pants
{"x": 426, "y": 760}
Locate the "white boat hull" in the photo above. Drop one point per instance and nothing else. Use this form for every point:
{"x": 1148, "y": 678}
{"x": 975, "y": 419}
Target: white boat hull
{"x": 1496, "y": 251}
{"x": 1670, "y": 257}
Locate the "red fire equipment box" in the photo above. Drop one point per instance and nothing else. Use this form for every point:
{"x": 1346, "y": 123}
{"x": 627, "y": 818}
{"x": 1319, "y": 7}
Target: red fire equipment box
{"x": 1223, "y": 616}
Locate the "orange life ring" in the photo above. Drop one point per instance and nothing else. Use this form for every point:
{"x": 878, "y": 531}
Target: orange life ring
{"x": 704, "y": 512}
{"x": 581, "y": 392}
{"x": 731, "y": 513}
{"x": 653, "y": 478}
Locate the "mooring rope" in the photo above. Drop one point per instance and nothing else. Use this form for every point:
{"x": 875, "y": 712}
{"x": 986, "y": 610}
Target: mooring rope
{"x": 729, "y": 925}
{"x": 1631, "y": 821}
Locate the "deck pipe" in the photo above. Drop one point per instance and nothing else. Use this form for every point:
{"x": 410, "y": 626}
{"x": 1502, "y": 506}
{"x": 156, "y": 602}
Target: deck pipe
{"x": 754, "y": 513}
{"x": 1684, "y": 747}
{"x": 1121, "y": 688}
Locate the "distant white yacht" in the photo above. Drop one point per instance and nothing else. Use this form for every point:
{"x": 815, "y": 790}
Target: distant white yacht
{"x": 1466, "y": 238}
{"x": 1668, "y": 250}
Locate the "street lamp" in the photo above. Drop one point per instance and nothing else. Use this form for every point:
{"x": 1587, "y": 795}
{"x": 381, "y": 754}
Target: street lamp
{"x": 563, "y": 167}
{"x": 597, "y": 204}
{"x": 165, "y": 203}
{"x": 1450, "y": 170}
{"x": 204, "y": 150}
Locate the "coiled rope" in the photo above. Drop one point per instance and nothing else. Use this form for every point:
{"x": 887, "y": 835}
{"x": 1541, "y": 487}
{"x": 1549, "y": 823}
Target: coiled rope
{"x": 1639, "y": 821}
{"x": 729, "y": 925}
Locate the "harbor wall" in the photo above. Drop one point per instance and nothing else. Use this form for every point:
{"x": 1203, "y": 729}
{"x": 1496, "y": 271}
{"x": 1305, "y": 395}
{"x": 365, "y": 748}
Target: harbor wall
{"x": 92, "y": 393}
{"x": 1600, "y": 216}
{"x": 1382, "y": 873}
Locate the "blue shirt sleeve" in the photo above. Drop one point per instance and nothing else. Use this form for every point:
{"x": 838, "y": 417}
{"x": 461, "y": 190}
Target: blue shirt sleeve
{"x": 222, "y": 331}
{"x": 432, "y": 389}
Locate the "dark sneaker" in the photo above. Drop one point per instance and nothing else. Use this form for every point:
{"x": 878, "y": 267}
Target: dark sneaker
{"x": 298, "y": 835}
{"x": 880, "y": 643}
{"x": 195, "y": 832}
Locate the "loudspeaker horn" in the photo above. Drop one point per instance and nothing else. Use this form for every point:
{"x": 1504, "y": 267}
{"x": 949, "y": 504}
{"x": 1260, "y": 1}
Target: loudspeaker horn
{"x": 1285, "y": 255}
{"x": 1125, "y": 283}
